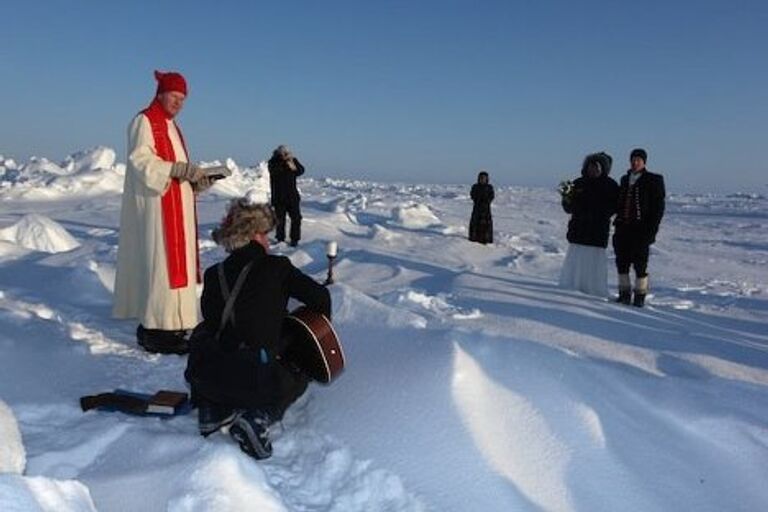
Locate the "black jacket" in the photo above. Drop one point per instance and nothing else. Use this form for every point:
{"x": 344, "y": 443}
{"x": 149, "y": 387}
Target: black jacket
{"x": 481, "y": 222}
{"x": 241, "y": 370}
{"x": 482, "y": 195}
{"x": 261, "y": 304}
{"x": 640, "y": 208}
{"x": 591, "y": 206}
{"x": 282, "y": 181}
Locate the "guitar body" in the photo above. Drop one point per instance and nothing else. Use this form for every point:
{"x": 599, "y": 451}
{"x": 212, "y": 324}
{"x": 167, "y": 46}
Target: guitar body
{"x": 312, "y": 345}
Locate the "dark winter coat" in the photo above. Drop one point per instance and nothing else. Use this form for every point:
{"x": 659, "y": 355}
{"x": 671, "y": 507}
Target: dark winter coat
{"x": 591, "y": 205}
{"x": 640, "y": 207}
{"x": 236, "y": 371}
{"x": 481, "y": 222}
{"x": 282, "y": 181}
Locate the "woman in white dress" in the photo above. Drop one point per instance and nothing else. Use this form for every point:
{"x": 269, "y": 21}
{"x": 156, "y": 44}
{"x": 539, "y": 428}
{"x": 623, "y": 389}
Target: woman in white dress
{"x": 591, "y": 201}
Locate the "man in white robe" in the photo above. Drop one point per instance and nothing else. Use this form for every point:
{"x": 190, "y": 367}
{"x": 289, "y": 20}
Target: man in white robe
{"x": 157, "y": 257}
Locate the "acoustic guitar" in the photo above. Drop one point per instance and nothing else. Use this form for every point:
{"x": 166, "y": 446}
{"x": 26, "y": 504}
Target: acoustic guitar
{"x": 312, "y": 345}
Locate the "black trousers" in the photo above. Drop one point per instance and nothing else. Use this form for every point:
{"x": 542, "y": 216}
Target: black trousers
{"x": 632, "y": 250}
{"x": 294, "y": 212}
{"x": 240, "y": 380}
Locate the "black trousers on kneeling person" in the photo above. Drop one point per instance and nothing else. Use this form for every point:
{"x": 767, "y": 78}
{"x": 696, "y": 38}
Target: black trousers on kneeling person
{"x": 242, "y": 380}
{"x": 241, "y": 370}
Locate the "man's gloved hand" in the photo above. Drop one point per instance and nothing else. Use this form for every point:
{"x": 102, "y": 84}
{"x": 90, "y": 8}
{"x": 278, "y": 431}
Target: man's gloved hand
{"x": 186, "y": 171}
{"x": 203, "y": 184}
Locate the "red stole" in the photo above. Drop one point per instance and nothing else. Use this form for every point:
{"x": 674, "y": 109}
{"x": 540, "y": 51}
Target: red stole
{"x": 171, "y": 204}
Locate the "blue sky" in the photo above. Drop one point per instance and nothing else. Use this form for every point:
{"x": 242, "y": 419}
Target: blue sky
{"x": 405, "y": 91}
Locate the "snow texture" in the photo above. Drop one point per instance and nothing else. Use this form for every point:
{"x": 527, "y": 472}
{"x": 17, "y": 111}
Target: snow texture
{"x": 38, "y": 494}
{"x": 474, "y": 382}
{"x": 12, "y": 455}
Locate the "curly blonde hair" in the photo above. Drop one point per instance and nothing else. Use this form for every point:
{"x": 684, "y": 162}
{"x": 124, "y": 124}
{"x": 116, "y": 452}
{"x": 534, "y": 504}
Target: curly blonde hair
{"x": 243, "y": 219}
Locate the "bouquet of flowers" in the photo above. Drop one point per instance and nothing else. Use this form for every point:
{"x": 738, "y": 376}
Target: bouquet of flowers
{"x": 566, "y": 189}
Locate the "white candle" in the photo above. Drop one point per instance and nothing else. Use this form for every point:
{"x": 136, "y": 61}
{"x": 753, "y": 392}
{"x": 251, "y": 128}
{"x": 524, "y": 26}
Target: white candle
{"x": 332, "y": 249}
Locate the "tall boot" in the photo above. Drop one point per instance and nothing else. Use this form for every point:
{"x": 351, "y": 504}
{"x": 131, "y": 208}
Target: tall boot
{"x": 641, "y": 289}
{"x": 625, "y": 289}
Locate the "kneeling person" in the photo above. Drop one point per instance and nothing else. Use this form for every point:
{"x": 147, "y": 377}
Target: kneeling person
{"x": 235, "y": 375}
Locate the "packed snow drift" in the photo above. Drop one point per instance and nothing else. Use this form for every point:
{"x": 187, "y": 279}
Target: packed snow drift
{"x": 473, "y": 383}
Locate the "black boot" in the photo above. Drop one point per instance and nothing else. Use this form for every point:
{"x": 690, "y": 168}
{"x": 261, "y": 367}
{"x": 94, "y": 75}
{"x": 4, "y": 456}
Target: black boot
{"x": 625, "y": 289}
{"x": 159, "y": 341}
{"x": 641, "y": 289}
{"x": 251, "y": 431}
{"x": 211, "y": 416}
{"x": 625, "y": 297}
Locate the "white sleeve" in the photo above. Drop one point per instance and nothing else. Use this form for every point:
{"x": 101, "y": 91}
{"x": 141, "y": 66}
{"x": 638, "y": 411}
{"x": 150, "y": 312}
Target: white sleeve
{"x": 143, "y": 161}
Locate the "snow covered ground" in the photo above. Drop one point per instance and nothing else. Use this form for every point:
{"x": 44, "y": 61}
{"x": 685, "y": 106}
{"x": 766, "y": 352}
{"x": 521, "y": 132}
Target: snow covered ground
{"x": 473, "y": 382}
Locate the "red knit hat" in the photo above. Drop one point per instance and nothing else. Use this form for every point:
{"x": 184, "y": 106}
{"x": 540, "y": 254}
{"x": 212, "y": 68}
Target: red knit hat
{"x": 170, "y": 81}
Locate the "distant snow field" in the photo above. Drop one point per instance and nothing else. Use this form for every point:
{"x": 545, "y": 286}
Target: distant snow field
{"x": 473, "y": 383}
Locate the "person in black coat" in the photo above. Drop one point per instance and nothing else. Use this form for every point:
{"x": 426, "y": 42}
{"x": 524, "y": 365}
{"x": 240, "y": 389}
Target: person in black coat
{"x": 237, "y": 378}
{"x": 591, "y": 201}
{"x": 284, "y": 168}
{"x": 481, "y": 222}
{"x": 640, "y": 209}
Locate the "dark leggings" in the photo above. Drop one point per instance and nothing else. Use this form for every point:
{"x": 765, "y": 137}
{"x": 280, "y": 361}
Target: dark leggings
{"x": 632, "y": 249}
{"x": 294, "y": 213}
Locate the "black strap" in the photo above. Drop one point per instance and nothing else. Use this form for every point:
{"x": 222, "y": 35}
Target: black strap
{"x": 230, "y": 298}
{"x": 224, "y": 287}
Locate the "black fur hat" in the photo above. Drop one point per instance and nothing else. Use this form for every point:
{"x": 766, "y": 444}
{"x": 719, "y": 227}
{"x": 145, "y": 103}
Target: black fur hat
{"x": 243, "y": 219}
{"x": 640, "y": 153}
{"x": 603, "y": 161}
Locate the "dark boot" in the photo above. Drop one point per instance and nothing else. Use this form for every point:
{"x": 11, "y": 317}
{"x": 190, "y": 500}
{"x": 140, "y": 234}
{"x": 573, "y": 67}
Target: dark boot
{"x": 625, "y": 289}
{"x": 211, "y": 416}
{"x": 625, "y": 296}
{"x": 159, "y": 341}
{"x": 251, "y": 431}
{"x": 641, "y": 289}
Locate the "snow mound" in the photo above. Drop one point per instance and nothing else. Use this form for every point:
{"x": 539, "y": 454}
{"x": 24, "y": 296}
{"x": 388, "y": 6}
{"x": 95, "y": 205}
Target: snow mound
{"x": 85, "y": 173}
{"x": 379, "y": 232}
{"x": 12, "y": 455}
{"x": 356, "y": 203}
{"x": 415, "y": 216}
{"x": 242, "y": 485}
{"x": 351, "y": 305}
{"x": 308, "y": 472}
{"x": 437, "y": 304}
{"x": 39, "y": 233}
{"x": 509, "y": 429}
{"x": 257, "y": 196}
{"x": 84, "y": 161}
{"x": 253, "y": 180}
{"x": 32, "y": 494}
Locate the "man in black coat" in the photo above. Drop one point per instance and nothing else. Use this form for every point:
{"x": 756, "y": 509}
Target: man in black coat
{"x": 237, "y": 378}
{"x": 639, "y": 212}
{"x": 284, "y": 168}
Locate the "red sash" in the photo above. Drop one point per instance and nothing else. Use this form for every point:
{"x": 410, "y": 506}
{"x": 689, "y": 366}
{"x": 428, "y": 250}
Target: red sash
{"x": 171, "y": 204}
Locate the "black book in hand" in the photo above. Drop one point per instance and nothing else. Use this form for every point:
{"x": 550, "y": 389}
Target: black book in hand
{"x": 218, "y": 172}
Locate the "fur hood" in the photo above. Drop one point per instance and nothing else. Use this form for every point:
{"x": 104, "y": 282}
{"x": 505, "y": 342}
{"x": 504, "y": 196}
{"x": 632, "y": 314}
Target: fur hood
{"x": 602, "y": 159}
{"x": 242, "y": 221}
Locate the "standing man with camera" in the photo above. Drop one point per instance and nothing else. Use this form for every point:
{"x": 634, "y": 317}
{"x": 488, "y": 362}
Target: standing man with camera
{"x": 284, "y": 168}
